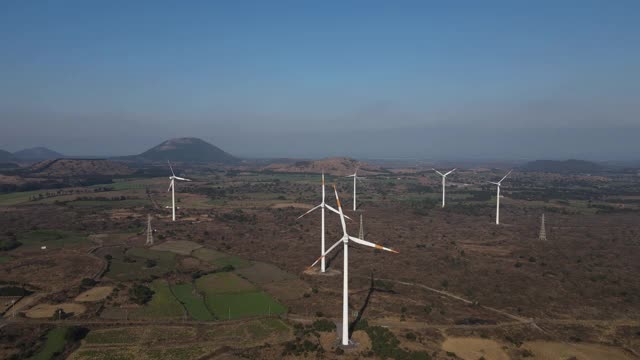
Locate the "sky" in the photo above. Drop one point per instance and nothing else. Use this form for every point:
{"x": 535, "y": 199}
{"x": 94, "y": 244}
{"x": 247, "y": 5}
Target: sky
{"x": 418, "y": 79}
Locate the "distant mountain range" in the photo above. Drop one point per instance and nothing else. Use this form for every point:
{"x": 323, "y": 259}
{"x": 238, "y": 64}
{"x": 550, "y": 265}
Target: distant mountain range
{"x": 186, "y": 150}
{"x": 179, "y": 150}
{"x": 32, "y": 154}
{"x": 6, "y": 156}
{"x": 37, "y": 154}
{"x": 566, "y": 166}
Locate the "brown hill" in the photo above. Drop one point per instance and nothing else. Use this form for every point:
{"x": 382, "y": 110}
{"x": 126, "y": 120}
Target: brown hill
{"x": 333, "y": 166}
{"x": 187, "y": 150}
{"x": 79, "y": 168}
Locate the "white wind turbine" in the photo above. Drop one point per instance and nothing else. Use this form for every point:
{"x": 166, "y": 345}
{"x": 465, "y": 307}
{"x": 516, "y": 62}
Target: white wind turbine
{"x": 444, "y": 177}
{"x": 345, "y": 281}
{"x": 355, "y": 178}
{"x": 172, "y": 187}
{"x": 321, "y": 207}
{"x": 498, "y": 197}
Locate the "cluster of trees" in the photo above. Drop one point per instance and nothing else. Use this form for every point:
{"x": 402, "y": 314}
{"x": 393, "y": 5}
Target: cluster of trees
{"x": 102, "y": 198}
{"x": 200, "y": 273}
{"x": 422, "y": 207}
{"x": 14, "y": 291}
{"x": 237, "y": 215}
{"x": 53, "y": 184}
{"x": 9, "y": 241}
{"x": 60, "y": 192}
{"x": 385, "y": 345}
{"x": 31, "y": 186}
{"x": 140, "y": 294}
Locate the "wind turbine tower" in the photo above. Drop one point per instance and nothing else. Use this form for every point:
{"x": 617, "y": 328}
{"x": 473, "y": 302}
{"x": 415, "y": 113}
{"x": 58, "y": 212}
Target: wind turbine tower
{"x": 355, "y": 178}
{"x": 543, "y": 232}
{"x": 149, "y": 232}
{"x": 322, "y": 206}
{"x": 444, "y": 179}
{"x": 499, "y": 183}
{"x": 345, "y": 280}
{"x": 172, "y": 187}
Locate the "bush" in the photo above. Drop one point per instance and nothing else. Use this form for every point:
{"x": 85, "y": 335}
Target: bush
{"x": 386, "y": 345}
{"x": 227, "y": 268}
{"x": 88, "y": 282}
{"x": 14, "y": 291}
{"x": 76, "y": 333}
{"x": 9, "y": 244}
{"x": 324, "y": 325}
{"x": 150, "y": 263}
{"x": 140, "y": 294}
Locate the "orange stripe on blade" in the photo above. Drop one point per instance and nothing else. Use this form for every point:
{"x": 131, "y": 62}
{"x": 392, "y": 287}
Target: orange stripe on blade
{"x": 337, "y": 198}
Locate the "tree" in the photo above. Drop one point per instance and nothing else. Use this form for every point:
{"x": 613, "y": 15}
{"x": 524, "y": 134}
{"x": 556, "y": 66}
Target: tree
{"x": 88, "y": 282}
{"x": 140, "y": 294}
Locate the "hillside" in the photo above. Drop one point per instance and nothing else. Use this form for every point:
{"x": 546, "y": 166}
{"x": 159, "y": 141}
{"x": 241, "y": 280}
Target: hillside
{"x": 566, "y": 166}
{"x": 36, "y": 154}
{"x": 333, "y": 166}
{"x": 78, "y": 168}
{"x": 187, "y": 150}
{"x": 6, "y": 156}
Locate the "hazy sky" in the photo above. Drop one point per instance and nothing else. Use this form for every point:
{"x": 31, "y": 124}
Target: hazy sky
{"x": 315, "y": 78}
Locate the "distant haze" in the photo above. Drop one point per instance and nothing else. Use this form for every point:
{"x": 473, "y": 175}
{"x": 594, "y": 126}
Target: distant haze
{"x": 367, "y": 79}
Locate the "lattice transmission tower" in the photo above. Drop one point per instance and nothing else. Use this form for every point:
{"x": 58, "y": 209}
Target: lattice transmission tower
{"x": 543, "y": 232}
{"x": 149, "y": 232}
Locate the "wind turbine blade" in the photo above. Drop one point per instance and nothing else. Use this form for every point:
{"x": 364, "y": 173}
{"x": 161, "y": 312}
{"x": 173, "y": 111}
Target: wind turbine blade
{"x": 336, "y": 211}
{"x": 325, "y": 253}
{"x": 370, "y": 244}
{"x": 308, "y": 212}
{"x": 439, "y": 173}
{"x": 352, "y": 175}
{"x": 449, "y": 172}
{"x": 494, "y": 183}
{"x": 505, "y": 176}
{"x": 179, "y": 178}
{"x": 172, "y": 173}
{"x": 344, "y": 226}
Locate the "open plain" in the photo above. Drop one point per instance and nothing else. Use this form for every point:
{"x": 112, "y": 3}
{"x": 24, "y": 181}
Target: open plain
{"x": 234, "y": 265}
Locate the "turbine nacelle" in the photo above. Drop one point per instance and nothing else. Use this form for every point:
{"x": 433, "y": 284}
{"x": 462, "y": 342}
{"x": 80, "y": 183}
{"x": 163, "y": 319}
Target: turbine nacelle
{"x": 445, "y": 174}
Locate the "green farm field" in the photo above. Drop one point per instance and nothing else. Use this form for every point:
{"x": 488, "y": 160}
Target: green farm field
{"x": 220, "y": 259}
{"x": 229, "y": 296}
{"x": 163, "y": 304}
{"x": 134, "y": 267}
{"x": 54, "y": 344}
{"x": 234, "y": 306}
{"x": 192, "y": 301}
{"x": 222, "y": 283}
